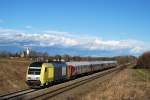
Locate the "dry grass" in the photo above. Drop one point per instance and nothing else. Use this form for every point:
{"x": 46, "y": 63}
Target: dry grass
{"x": 129, "y": 84}
{"x": 12, "y": 75}
{"x": 126, "y": 85}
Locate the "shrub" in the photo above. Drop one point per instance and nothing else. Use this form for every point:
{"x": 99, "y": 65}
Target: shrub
{"x": 144, "y": 60}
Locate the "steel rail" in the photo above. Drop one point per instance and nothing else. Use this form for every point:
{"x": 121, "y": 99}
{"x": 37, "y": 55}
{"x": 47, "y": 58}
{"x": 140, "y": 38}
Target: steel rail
{"x": 43, "y": 96}
{"x": 16, "y": 94}
{"x": 50, "y": 94}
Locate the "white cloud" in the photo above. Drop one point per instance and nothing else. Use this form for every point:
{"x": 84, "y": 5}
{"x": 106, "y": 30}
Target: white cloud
{"x": 65, "y": 39}
{"x": 136, "y": 49}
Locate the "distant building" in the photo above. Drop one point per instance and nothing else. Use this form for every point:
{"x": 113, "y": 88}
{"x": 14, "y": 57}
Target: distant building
{"x": 28, "y": 51}
{"x": 25, "y": 53}
{"x": 22, "y": 54}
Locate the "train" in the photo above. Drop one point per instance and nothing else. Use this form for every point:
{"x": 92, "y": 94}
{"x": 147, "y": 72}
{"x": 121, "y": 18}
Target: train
{"x": 43, "y": 74}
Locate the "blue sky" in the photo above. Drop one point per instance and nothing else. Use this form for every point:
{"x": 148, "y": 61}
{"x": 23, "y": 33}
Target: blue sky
{"x": 118, "y": 27}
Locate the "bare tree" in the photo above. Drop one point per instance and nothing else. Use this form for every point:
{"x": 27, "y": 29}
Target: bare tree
{"x": 144, "y": 60}
{"x": 58, "y": 58}
{"x": 66, "y": 57}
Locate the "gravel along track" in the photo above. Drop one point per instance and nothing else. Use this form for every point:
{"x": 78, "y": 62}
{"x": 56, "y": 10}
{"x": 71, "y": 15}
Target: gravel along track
{"x": 53, "y": 91}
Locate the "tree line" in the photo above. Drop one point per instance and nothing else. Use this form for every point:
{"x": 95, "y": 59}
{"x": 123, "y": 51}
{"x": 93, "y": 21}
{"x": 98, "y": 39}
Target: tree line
{"x": 143, "y": 60}
{"x": 44, "y": 56}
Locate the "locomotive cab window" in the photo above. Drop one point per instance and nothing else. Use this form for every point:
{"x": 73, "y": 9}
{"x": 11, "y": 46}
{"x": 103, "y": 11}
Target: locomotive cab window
{"x": 36, "y": 64}
{"x": 34, "y": 71}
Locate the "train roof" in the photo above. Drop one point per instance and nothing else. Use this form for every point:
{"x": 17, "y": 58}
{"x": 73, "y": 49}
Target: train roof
{"x": 36, "y": 64}
{"x": 74, "y": 63}
{"x": 82, "y": 63}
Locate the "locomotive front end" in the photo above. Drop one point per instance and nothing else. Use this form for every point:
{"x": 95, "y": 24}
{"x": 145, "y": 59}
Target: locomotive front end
{"x": 33, "y": 74}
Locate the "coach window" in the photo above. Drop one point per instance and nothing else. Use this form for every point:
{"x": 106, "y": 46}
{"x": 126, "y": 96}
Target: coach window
{"x": 79, "y": 67}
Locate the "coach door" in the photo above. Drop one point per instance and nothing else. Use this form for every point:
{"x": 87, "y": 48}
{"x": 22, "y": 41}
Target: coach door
{"x": 63, "y": 71}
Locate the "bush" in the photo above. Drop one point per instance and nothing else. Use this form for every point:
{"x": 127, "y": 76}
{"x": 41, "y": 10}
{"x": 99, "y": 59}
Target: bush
{"x": 144, "y": 60}
{"x": 126, "y": 59}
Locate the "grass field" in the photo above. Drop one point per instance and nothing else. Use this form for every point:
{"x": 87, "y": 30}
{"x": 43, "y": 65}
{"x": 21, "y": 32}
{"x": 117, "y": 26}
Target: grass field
{"x": 143, "y": 74}
{"x": 12, "y": 74}
{"x": 129, "y": 84}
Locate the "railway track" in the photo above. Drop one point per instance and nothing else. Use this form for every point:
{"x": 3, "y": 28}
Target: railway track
{"x": 56, "y": 92}
{"x": 16, "y": 94}
{"x": 44, "y": 94}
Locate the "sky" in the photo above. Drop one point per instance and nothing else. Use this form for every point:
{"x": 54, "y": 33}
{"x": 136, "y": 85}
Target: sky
{"x": 76, "y": 27}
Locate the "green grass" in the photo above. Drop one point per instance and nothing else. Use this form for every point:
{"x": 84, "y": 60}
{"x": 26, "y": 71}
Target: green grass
{"x": 143, "y": 74}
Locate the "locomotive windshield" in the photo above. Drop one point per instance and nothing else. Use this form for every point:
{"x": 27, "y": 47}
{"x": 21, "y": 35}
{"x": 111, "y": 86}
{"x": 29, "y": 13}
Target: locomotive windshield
{"x": 36, "y": 64}
{"x": 35, "y": 68}
{"x": 34, "y": 71}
